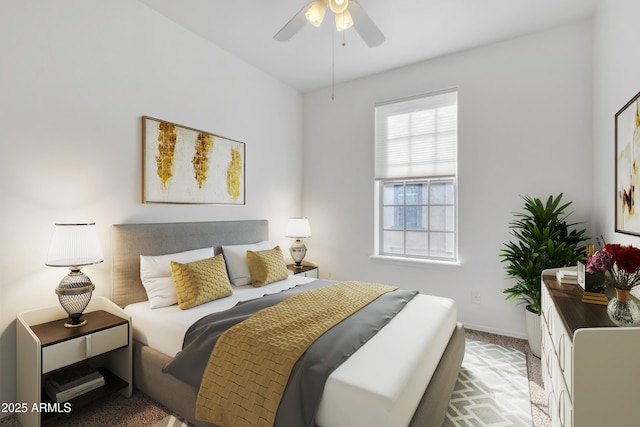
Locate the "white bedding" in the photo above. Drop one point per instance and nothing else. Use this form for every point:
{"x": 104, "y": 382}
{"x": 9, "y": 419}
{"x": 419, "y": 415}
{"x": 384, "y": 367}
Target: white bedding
{"x": 164, "y": 328}
{"x": 380, "y": 385}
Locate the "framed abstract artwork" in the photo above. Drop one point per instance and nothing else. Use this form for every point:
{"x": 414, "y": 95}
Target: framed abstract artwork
{"x": 627, "y": 133}
{"x": 185, "y": 165}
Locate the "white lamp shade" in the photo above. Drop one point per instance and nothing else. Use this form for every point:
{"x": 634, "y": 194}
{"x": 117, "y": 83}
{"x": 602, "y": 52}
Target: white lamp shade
{"x": 315, "y": 13}
{"x": 298, "y": 228}
{"x": 74, "y": 245}
{"x": 344, "y": 21}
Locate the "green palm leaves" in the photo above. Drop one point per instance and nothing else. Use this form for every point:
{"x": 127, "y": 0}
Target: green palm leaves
{"x": 543, "y": 239}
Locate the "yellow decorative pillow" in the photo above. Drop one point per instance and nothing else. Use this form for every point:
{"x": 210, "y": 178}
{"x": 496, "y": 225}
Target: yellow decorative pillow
{"x": 266, "y": 266}
{"x": 200, "y": 281}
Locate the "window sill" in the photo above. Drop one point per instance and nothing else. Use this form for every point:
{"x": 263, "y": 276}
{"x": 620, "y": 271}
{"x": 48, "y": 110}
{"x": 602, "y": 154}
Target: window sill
{"x": 415, "y": 262}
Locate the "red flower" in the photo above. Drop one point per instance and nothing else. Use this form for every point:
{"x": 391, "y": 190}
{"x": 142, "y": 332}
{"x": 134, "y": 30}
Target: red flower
{"x": 628, "y": 258}
{"x": 614, "y": 248}
{"x": 618, "y": 265}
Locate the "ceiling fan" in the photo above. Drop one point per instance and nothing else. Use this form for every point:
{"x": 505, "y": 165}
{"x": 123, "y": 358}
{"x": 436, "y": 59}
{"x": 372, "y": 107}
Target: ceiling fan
{"x": 347, "y": 13}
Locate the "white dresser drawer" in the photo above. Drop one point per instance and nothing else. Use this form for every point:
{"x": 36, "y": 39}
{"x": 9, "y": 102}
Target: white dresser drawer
{"x": 71, "y": 351}
{"x": 548, "y": 354}
{"x": 552, "y": 409}
{"x": 546, "y": 304}
{"x": 561, "y": 412}
{"x": 565, "y": 408}
{"x": 563, "y": 344}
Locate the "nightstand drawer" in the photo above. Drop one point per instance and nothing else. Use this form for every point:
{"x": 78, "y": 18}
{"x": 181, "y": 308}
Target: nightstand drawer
{"x": 75, "y": 350}
{"x": 311, "y": 273}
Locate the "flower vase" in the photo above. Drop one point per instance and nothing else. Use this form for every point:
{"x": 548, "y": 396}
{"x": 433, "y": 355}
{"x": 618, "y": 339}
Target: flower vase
{"x": 623, "y": 310}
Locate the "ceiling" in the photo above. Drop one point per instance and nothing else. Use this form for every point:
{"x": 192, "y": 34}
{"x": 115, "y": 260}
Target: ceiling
{"x": 415, "y": 30}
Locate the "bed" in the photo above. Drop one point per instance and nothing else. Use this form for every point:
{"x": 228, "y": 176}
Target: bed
{"x": 407, "y": 371}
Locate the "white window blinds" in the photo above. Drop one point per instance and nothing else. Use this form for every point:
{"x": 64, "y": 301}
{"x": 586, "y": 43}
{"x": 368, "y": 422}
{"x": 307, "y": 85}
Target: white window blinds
{"x": 417, "y": 137}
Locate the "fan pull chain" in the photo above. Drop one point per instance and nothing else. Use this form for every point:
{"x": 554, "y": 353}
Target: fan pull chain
{"x": 333, "y": 61}
{"x": 333, "y": 66}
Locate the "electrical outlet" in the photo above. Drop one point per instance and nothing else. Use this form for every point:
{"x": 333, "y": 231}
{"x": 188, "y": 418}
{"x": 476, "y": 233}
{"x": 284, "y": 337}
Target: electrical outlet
{"x": 475, "y": 297}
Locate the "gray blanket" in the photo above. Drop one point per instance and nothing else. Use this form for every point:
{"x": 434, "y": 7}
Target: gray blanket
{"x": 302, "y": 396}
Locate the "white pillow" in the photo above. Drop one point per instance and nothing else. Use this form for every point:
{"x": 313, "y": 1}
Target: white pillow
{"x": 155, "y": 273}
{"x": 236, "y": 258}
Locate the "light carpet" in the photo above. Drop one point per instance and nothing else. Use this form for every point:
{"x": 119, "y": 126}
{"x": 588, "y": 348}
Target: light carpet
{"x": 171, "y": 421}
{"x": 492, "y": 388}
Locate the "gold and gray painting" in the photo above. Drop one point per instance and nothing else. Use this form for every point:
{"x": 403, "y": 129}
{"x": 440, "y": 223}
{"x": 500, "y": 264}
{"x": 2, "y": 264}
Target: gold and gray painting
{"x": 184, "y": 165}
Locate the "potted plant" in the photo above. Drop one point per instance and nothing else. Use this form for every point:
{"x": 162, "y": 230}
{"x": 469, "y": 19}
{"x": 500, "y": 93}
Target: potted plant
{"x": 543, "y": 239}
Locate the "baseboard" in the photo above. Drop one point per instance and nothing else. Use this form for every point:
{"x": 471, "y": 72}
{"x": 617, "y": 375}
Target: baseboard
{"x": 502, "y": 332}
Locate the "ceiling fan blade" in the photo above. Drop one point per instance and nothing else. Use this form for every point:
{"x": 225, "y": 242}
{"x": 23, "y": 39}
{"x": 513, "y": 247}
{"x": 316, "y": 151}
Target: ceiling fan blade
{"x": 294, "y": 25}
{"x": 367, "y": 29}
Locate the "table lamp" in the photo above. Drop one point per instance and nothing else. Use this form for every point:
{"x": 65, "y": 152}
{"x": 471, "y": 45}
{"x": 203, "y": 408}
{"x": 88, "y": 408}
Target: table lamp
{"x": 298, "y": 228}
{"x": 74, "y": 245}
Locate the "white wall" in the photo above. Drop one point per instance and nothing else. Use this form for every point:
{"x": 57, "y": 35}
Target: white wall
{"x": 616, "y": 80}
{"x": 75, "y": 78}
{"x": 524, "y": 129}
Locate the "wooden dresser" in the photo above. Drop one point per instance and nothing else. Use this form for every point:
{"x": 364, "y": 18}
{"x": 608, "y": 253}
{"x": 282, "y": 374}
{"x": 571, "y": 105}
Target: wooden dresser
{"x": 590, "y": 367}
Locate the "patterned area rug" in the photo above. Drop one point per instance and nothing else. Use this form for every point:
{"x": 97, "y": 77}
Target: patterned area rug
{"x": 492, "y": 388}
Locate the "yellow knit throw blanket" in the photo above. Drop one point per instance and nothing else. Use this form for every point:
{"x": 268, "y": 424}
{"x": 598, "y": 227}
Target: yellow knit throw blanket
{"x": 250, "y": 365}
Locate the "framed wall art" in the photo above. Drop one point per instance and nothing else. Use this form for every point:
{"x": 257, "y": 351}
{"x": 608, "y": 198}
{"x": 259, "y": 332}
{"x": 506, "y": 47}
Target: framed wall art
{"x": 627, "y": 134}
{"x": 185, "y": 165}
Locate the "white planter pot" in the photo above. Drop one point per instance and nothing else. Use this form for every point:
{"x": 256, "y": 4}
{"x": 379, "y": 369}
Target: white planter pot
{"x": 534, "y": 331}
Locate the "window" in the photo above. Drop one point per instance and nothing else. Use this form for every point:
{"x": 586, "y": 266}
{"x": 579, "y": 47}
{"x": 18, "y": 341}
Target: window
{"x": 415, "y": 172}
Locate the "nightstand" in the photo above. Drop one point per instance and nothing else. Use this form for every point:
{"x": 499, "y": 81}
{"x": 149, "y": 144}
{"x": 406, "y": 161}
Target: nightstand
{"x": 44, "y": 346}
{"x": 304, "y": 270}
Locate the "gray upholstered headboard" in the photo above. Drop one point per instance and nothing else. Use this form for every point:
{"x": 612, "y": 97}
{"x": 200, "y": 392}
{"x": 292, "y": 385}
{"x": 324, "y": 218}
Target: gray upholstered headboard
{"x": 129, "y": 241}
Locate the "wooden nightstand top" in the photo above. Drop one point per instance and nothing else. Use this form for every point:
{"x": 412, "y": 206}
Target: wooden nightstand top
{"x": 54, "y": 332}
{"x": 301, "y": 269}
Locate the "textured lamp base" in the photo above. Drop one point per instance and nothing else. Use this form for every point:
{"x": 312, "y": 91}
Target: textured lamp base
{"x": 74, "y": 293}
{"x": 298, "y": 250}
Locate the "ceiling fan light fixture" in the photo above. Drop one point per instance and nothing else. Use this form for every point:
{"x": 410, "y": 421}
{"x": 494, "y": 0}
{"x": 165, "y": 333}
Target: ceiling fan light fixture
{"x": 338, "y": 6}
{"x": 315, "y": 13}
{"x": 344, "y": 21}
